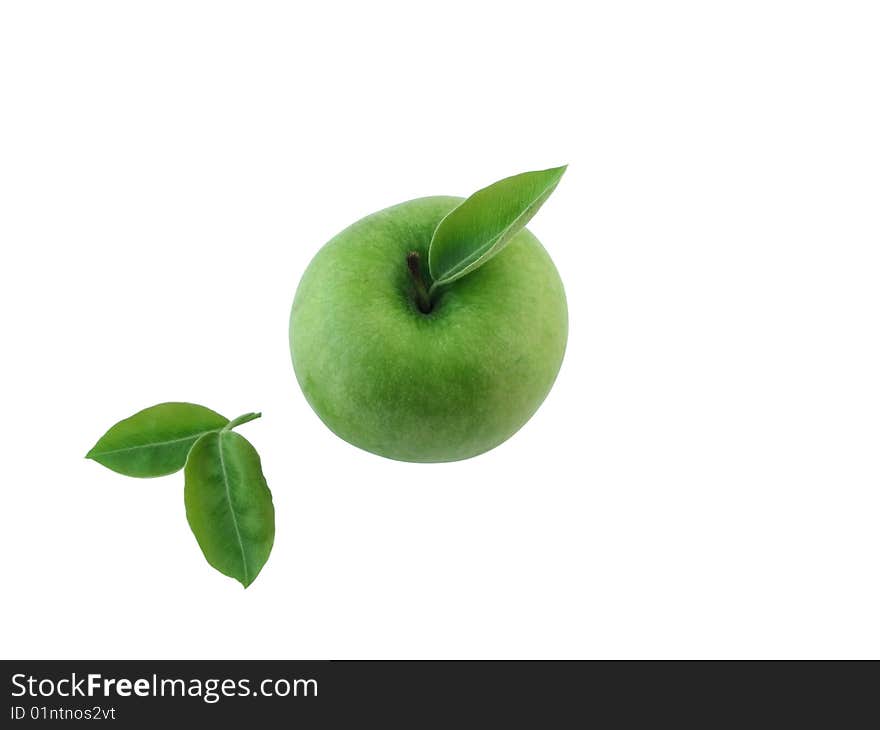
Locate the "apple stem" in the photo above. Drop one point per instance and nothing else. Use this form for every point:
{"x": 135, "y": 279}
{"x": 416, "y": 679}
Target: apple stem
{"x": 423, "y": 296}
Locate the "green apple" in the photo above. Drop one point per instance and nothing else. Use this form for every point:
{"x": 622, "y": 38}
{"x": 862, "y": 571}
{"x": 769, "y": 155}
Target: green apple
{"x": 425, "y": 386}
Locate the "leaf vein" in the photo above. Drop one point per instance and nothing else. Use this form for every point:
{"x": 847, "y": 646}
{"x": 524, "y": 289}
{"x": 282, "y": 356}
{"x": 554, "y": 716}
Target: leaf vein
{"x": 231, "y": 509}
{"x": 152, "y": 443}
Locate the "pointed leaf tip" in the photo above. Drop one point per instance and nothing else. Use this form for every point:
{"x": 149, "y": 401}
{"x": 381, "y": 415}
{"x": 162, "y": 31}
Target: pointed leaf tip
{"x": 482, "y": 225}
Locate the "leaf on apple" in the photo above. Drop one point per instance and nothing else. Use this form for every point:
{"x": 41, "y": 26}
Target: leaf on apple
{"x": 479, "y": 228}
{"x": 228, "y": 505}
{"x": 155, "y": 441}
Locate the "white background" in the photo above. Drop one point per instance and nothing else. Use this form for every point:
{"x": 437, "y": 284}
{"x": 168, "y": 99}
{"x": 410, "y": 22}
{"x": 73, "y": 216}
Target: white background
{"x": 701, "y": 482}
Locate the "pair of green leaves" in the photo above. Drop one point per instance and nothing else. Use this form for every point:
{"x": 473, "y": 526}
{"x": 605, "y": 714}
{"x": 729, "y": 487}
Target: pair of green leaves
{"x": 228, "y": 503}
{"x": 479, "y": 228}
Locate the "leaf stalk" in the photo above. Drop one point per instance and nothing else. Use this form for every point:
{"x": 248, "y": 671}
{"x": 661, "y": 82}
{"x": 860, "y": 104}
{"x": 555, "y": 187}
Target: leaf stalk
{"x": 240, "y": 420}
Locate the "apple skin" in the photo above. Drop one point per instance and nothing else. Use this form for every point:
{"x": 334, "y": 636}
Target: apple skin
{"x": 434, "y": 387}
